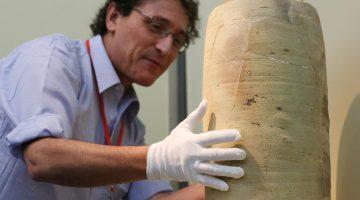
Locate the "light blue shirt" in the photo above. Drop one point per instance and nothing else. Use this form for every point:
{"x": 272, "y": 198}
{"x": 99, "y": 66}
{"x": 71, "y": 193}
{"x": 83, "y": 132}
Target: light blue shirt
{"x": 47, "y": 90}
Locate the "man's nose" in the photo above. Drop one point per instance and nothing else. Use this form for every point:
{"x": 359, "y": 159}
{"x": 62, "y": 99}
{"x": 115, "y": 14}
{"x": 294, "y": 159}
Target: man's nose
{"x": 164, "y": 45}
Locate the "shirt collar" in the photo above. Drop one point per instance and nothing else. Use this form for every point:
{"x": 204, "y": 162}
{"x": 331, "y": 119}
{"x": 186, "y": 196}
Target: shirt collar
{"x": 104, "y": 70}
{"x": 131, "y": 102}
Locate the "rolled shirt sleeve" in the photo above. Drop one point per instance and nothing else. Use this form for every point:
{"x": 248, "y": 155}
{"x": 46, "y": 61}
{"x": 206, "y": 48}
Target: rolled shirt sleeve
{"x": 40, "y": 92}
{"x": 45, "y": 125}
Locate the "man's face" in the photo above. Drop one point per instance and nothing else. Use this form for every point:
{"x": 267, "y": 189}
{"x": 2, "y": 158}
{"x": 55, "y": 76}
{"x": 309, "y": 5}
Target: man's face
{"x": 138, "y": 54}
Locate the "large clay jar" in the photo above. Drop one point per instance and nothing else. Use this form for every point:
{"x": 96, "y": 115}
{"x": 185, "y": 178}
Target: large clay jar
{"x": 264, "y": 74}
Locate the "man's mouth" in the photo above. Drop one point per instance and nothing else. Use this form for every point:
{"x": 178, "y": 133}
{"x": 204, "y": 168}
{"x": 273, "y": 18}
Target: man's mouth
{"x": 155, "y": 62}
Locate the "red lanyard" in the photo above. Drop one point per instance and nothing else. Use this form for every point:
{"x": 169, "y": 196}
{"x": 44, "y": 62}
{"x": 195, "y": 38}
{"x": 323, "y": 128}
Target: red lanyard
{"x": 102, "y": 108}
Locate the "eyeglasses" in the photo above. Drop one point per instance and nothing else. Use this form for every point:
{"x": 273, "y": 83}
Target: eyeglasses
{"x": 160, "y": 27}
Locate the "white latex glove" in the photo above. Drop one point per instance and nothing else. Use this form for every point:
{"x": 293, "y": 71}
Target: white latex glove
{"x": 185, "y": 156}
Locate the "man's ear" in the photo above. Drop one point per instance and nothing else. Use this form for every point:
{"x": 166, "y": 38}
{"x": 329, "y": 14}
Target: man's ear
{"x": 111, "y": 15}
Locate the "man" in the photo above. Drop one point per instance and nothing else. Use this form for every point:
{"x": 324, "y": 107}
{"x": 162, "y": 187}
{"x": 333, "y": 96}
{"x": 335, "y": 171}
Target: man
{"x": 68, "y": 112}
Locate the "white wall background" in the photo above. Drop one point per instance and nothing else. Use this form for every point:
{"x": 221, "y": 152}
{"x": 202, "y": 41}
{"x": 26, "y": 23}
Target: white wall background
{"x": 341, "y": 29}
{"x": 24, "y": 20}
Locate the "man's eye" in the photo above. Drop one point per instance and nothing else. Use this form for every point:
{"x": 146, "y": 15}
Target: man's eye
{"x": 156, "y": 27}
{"x": 177, "y": 43}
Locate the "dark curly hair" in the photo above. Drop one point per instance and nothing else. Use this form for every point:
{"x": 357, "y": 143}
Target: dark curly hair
{"x": 125, "y": 7}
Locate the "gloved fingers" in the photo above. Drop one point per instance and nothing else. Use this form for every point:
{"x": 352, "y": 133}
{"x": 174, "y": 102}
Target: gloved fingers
{"x": 214, "y": 169}
{"x": 212, "y": 182}
{"x": 217, "y": 136}
{"x": 195, "y": 116}
{"x": 222, "y": 154}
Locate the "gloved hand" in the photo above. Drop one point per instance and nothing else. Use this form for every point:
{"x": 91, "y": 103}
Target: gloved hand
{"x": 185, "y": 156}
